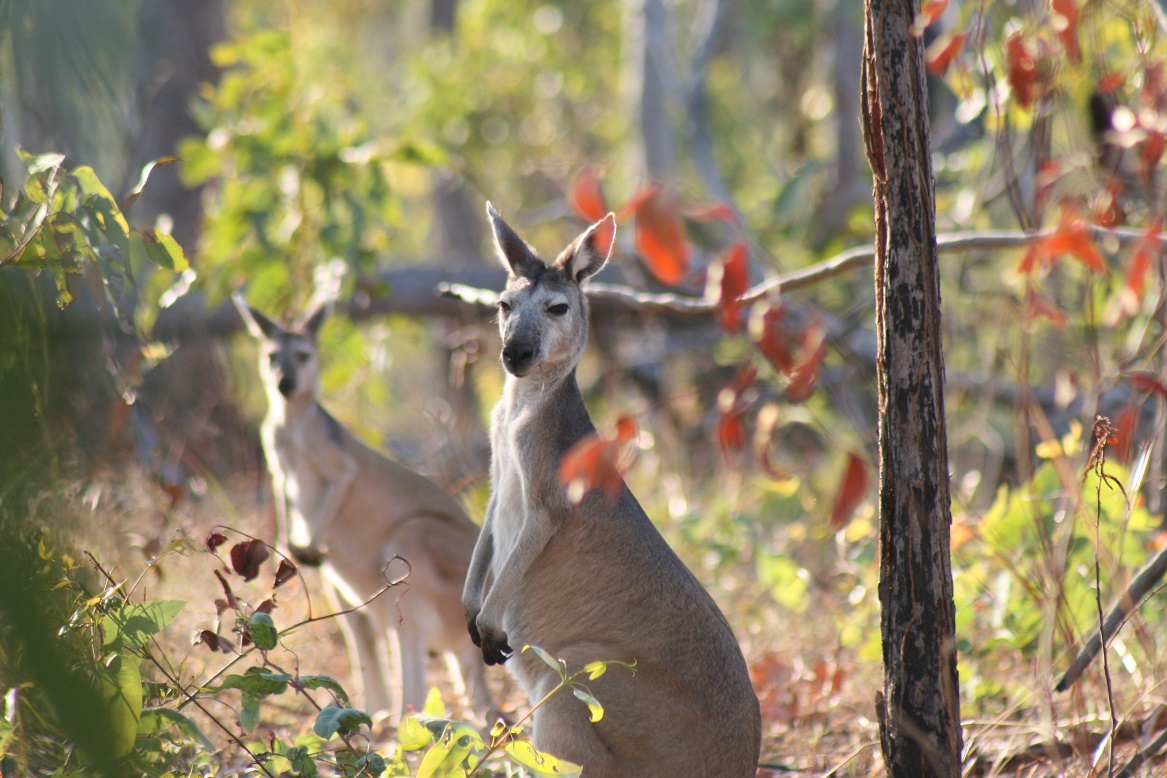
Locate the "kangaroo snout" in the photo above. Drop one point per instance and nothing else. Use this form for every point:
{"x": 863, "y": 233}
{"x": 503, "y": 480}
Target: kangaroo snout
{"x": 287, "y": 385}
{"x": 518, "y": 356}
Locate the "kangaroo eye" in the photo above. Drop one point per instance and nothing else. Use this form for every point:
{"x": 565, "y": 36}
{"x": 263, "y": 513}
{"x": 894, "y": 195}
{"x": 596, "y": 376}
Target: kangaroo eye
{"x": 557, "y": 310}
{"x": 505, "y": 307}
{"x": 303, "y": 356}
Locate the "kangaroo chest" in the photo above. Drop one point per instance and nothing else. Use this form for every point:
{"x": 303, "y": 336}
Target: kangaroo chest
{"x": 290, "y": 451}
{"x": 522, "y": 478}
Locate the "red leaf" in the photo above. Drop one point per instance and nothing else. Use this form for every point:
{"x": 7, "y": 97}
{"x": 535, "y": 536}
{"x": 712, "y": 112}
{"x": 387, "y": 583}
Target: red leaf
{"x": 1151, "y": 150}
{"x": 285, "y": 572}
{"x": 1111, "y": 82}
{"x": 929, "y": 13}
{"x": 587, "y": 199}
{"x": 1066, "y": 23}
{"x": 213, "y": 641}
{"x": 246, "y": 557}
{"x": 732, "y": 408}
{"x": 230, "y": 595}
{"x": 1022, "y": 69}
{"x": 267, "y": 606}
{"x": 942, "y": 51}
{"x": 594, "y": 463}
{"x": 805, "y": 375}
{"x": 1036, "y": 305}
{"x": 1126, "y": 426}
{"x": 1146, "y": 253}
{"x": 770, "y": 337}
{"x": 214, "y": 540}
{"x": 1147, "y": 382}
{"x": 851, "y": 491}
{"x": 727, "y": 280}
{"x": 660, "y": 238}
{"x": 1070, "y": 236}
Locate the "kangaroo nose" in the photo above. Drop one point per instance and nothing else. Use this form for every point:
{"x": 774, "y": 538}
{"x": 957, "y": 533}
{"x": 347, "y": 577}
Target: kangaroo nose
{"x": 287, "y": 385}
{"x": 517, "y": 357}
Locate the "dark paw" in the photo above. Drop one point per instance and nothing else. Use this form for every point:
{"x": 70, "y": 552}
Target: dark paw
{"x": 311, "y": 556}
{"x": 495, "y": 649}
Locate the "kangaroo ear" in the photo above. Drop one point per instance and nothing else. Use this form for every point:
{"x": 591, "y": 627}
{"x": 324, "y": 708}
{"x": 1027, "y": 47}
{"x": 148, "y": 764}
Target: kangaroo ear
{"x": 312, "y": 320}
{"x": 257, "y": 324}
{"x": 588, "y": 253}
{"x": 516, "y": 256}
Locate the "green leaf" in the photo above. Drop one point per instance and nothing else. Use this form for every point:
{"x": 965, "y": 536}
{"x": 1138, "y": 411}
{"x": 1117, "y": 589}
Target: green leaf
{"x": 412, "y": 735}
{"x": 263, "y": 631}
{"x": 551, "y": 661}
{"x": 164, "y": 251}
{"x": 41, "y": 162}
{"x": 596, "y": 710}
{"x": 371, "y": 764}
{"x": 437, "y": 762}
{"x": 539, "y": 763}
{"x": 143, "y": 177}
{"x": 249, "y": 713}
{"x": 256, "y": 681}
{"x": 325, "y": 682}
{"x": 333, "y": 719}
{"x": 155, "y": 719}
{"x": 132, "y": 626}
{"x": 122, "y": 685}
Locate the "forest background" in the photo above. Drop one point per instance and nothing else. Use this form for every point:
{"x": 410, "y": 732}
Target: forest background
{"x": 344, "y": 149}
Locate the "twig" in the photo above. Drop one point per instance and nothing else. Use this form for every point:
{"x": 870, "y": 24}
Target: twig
{"x": 851, "y": 259}
{"x": 1137, "y": 761}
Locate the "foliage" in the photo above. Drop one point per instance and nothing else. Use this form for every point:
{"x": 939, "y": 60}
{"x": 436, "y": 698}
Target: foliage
{"x": 66, "y": 222}
{"x": 145, "y": 699}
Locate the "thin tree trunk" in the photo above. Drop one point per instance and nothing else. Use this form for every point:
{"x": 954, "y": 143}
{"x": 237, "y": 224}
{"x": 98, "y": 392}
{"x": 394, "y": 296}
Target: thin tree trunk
{"x": 919, "y": 709}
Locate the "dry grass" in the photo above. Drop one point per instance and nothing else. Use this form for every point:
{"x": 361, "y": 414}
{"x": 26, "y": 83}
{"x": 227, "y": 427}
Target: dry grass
{"x": 817, "y": 699}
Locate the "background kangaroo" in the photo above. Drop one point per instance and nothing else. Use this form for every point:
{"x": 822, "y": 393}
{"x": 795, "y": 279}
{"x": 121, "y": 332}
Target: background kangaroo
{"x": 343, "y": 505}
{"x": 593, "y": 581}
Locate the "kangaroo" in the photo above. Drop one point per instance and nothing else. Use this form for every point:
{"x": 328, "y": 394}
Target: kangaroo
{"x": 593, "y": 581}
{"x": 342, "y": 505}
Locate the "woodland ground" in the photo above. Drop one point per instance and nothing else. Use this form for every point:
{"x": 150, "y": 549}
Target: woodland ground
{"x": 818, "y": 702}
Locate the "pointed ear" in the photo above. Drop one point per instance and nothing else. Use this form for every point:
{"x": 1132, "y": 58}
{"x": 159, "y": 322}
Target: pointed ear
{"x": 311, "y": 321}
{"x": 516, "y": 256}
{"x": 257, "y": 324}
{"x": 588, "y": 253}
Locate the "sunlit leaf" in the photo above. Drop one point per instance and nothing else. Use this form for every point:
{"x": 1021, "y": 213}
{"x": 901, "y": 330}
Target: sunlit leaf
{"x": 540, "y": 764}
{"x": 727, "y": 280}
{"x": 263, "y": 631}
{"x": 660, "y": 237}
{"x": 595, "y": 462}
{"x": 132, "y": 626}
{"x": 942, "y": 51}
{"x": 412, "y": 735}
{"x": 156, "y": 719}
{"x": 768, "y": 334}
{"x": 930, "y": 11}
{"x": 143, "y": 177}
{"x": 595, "y": 710}
{"x": 587, "y": 198}
{"x": 1066, "y": 23}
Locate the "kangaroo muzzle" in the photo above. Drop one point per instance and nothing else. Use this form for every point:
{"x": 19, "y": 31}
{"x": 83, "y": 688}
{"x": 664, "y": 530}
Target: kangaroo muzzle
{"x": 518, "y": 356}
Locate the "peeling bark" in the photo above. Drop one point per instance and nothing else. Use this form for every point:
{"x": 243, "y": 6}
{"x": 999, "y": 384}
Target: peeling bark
{"x": 919, "y": 711}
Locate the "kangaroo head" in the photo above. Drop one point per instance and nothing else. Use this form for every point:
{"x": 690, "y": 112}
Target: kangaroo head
{"x": 543, "y": 315}
{"x": 288, "y": 357}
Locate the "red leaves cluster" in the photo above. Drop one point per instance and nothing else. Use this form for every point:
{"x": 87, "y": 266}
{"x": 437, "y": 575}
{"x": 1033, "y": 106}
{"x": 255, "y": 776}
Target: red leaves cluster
{"x": 1070, "y": 236}
{"x": 797, "y": 693}
{"x": 773, "y": 336}
{"x": 595, "y": 463}
{"x": 659, "y": 234}
{"x": 1022, "y": 60}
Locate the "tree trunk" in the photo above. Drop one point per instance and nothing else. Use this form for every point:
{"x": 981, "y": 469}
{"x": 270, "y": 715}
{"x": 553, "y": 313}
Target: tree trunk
{"x": 919, "y": 709}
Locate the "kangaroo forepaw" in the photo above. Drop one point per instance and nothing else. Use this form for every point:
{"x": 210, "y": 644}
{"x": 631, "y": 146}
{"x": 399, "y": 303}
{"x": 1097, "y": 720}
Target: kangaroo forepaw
{"x": 495, "y": 649}
{"x": 472, "y": 628}
{"x": 312, "y": 556}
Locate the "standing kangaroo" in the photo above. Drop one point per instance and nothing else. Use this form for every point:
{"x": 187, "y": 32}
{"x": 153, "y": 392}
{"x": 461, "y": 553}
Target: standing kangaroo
{"x": 593, "y": 581}
{"x": 343, "y": 505}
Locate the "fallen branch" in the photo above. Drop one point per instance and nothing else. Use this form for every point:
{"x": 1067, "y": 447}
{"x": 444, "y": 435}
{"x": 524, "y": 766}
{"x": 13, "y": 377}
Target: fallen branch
{"x": 1147, "y": 579}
